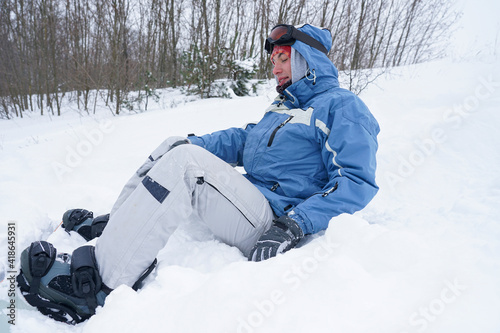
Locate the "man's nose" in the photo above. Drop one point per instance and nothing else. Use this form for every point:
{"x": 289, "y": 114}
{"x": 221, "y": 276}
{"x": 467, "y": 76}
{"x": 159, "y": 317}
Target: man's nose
{"x": 277, "y": 69}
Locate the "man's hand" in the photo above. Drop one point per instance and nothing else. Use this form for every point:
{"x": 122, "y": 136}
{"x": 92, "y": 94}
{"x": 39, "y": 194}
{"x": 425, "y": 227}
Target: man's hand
{"x": 283, "y": 235}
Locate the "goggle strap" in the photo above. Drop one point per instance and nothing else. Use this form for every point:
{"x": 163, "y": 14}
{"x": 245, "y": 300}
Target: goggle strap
{"x": 305, "y": 38}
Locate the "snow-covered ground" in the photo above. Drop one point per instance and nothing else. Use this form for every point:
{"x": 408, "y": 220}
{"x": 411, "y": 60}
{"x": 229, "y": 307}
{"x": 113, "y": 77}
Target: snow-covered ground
{"x": 424, "y": 256}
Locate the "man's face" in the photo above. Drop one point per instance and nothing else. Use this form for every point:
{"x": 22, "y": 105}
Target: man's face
{"x": 282, "y": 68}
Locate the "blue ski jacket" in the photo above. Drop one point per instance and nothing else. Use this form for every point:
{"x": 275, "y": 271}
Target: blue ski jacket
{"x": 313, "y": 153}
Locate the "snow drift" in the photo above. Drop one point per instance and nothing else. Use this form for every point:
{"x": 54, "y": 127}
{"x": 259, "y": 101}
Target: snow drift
{"x": 423, "y": 256}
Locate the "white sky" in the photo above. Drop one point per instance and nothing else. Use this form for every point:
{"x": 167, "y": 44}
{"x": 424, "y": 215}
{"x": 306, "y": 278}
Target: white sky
{"x": 479, "y": 28}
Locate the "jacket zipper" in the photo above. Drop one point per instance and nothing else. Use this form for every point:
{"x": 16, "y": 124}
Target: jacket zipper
{"x": 331, "y": 190}
{"x": 326, "y": 193}
{"x": 273, "y": 134}
{"x": 201, "y": 180}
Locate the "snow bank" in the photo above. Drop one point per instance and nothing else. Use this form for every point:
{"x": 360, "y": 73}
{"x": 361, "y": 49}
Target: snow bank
{"x": 424, "y": 256}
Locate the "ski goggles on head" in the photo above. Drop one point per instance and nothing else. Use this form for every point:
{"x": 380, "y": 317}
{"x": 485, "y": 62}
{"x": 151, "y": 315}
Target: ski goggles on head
{"x": 285, "y": 34}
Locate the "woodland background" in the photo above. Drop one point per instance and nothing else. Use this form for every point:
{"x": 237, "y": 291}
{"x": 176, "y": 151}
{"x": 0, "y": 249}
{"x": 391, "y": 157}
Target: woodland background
{"x": 90, "y": 50}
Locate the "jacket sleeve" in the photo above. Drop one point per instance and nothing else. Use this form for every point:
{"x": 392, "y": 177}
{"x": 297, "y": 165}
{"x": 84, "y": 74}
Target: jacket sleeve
{"x": 227, "y": 144}
{"x": 349, "y": 147}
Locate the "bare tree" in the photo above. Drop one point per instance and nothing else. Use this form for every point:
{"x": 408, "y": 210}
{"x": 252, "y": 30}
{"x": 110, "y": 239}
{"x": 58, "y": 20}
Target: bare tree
{"x": 87, "y": 49}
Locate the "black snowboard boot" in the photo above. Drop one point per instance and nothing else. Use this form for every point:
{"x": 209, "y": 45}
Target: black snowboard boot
{"x": 67, "y": 288}
{"x": 83, "y": 222}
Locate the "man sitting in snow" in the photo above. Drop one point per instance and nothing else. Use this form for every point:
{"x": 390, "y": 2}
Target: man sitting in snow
{"x": 310, "y": 158}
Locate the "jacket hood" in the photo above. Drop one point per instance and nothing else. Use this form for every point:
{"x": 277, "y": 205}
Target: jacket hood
{"x": 322, "y": 73}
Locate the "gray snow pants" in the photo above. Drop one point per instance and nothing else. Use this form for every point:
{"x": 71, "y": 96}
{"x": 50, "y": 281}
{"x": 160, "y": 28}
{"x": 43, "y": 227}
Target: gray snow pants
{"x": 184, "y": 181}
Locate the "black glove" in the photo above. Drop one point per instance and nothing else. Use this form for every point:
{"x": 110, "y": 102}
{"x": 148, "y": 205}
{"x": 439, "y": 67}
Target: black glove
{"x": 283, "y": 235}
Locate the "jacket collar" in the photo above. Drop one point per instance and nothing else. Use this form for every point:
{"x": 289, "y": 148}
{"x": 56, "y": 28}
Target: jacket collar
{"x": 303, "y": 90}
